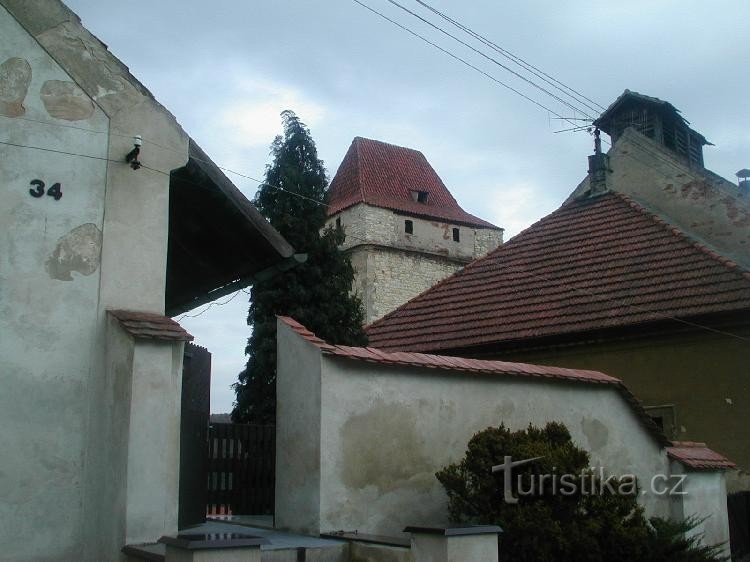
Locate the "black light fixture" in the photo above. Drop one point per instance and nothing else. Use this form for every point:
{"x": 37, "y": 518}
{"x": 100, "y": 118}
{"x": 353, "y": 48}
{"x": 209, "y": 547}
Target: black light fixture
{"x": 132, "y": 156}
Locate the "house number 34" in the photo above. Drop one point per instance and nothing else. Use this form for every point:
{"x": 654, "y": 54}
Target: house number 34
{"x": 38, "y": 190}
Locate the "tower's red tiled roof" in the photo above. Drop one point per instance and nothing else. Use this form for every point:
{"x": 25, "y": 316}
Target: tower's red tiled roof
{"x": 697, "y": 456}
{"x": 384, "y": 175}
{"x": 479, "y": 366}
{"x": 595, "y": 263}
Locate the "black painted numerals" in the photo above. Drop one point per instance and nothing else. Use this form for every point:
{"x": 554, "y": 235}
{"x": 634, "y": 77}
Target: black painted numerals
{"x": 38, "y": 190}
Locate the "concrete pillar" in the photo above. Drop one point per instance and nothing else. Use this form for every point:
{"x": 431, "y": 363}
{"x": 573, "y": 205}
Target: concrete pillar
{"x": 212, "y": 547}
{"x": 477, "y": 543}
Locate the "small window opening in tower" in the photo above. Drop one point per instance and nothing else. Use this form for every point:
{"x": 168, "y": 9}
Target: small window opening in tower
{"x": 420, "y": 196}
{"x": 338, "y": 222}
{"x": 456, "y": 235}
{"x": 408, "y": 227}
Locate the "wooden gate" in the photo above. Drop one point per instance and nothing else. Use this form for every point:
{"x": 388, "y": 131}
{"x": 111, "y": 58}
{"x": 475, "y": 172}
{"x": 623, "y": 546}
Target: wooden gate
{"x": 196, "y": 389}
{"x": 738, "y": 507}
{"x": 241, "y": 461}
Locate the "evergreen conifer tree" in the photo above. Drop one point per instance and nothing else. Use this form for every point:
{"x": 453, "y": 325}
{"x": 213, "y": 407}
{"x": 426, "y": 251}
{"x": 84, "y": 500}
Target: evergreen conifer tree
{"x": 315, "y": 293}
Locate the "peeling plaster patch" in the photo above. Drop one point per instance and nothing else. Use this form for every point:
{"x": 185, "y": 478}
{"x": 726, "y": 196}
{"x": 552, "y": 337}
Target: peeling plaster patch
{"x": 65, "y": 100}
{"x": 739, "y": 216}
{"x": 15, "y": 77}
{"x": 381, "y": 448}
{"x": 728, "y": 401}
{"x": 596, "y": 433}
{"x": 79, "y": 250}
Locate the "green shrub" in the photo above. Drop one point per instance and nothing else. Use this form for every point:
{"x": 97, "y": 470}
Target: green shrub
{"x": 549, "y": 526}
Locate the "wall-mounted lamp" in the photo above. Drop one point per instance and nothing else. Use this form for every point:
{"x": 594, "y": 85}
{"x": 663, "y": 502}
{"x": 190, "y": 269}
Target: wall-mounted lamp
{"x": 132, "y": 156}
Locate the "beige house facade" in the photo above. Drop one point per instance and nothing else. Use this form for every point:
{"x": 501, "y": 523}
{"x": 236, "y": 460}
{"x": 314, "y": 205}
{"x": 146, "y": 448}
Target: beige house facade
{"x": 94, "y": 250}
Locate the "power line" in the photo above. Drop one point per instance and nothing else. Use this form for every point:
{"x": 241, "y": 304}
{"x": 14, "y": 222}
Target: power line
{"x": 211, "y": 305}
{"x": 461, "y": 60}
{"x": 492, "y": 59}
{"x": 571, "y": 92}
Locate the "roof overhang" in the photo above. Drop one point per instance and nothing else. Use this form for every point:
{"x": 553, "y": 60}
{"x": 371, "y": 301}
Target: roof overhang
{"x": 218, "y": 242}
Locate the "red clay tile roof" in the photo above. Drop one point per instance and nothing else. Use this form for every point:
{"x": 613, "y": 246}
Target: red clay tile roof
{"x": 595, "y": 263}
{"x": 478, "y": 366}
{"x": 697, "y": 456}
{"x": 384, "y": 175}
{"x": 150, "y": 325}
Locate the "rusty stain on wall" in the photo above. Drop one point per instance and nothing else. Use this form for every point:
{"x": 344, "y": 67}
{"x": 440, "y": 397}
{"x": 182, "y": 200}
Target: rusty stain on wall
{"x": 65, "y": 100}
{"x": 79, "y": 250}
{"x": 15, "y": 77}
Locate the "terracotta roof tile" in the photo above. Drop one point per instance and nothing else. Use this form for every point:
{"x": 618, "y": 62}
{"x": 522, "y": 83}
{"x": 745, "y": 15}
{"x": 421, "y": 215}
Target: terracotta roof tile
{"x": 478, "y": 366}
{"x": 697, "y": 456}
{"x": 150, "y": 325}
{"x": 595, "y": 263}
{"x": 447, "y": 362}
{"x": 383, "y": 175}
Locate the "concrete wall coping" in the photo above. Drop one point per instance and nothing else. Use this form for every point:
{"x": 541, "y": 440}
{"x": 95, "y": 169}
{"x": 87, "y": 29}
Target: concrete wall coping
{"x": 460, "y": 530}
{"x": 212, "y": 541}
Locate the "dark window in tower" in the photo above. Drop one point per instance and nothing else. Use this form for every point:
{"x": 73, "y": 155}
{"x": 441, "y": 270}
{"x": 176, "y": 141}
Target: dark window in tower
{"x": 419, "y": 196}
{"x": 456, "y": 235}
{"x": 338, "y": 222}
{"x": 408, "y": 227}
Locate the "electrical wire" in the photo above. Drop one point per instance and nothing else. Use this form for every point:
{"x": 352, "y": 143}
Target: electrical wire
{"x": 552, "y": 81}
{"x": 211, "y": 305}
{"x": 462, "y": 60}
{"x": 492, "y": 59}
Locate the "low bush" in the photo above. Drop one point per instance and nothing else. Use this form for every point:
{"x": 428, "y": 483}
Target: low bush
{"x": 547, "y": 524}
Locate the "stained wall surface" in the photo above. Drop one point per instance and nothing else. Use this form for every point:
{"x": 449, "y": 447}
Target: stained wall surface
{"x": 50, "y": 252}
{"x": 93, "y": 237}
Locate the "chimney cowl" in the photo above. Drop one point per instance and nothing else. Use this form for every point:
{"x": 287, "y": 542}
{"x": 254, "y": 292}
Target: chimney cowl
{"x": 743, "y": 180}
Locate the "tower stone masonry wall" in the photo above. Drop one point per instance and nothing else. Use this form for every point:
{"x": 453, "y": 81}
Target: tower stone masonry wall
{"x": 392, "y": 266}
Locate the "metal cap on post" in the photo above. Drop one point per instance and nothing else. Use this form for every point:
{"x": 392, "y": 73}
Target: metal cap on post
{"x": 478, "y": 543}
{"x": 213, "y": 547}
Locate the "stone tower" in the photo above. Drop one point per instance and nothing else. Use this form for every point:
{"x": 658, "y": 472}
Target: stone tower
{"x": 404, "y": 230}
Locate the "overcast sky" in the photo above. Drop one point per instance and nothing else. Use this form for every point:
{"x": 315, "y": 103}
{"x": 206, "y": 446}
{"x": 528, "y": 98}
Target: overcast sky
{"x": 227, "y": 68}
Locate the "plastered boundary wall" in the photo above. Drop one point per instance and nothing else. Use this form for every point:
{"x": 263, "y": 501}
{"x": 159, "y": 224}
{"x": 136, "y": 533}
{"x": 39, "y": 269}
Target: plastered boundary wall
{"x": 358, "y": 443}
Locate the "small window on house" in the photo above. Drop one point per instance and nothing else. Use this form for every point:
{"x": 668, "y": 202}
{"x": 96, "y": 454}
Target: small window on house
{"x": 456, "y": 235}
{"x": 338, "y": 222}
{"x": 419, "y": 196}
{"x": 409, "y": 227}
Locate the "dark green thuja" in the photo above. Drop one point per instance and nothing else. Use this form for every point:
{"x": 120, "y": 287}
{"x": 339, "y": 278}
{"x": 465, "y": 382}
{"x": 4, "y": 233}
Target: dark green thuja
{"x": 316, "y": 293}
{"x": 550, "y": 526}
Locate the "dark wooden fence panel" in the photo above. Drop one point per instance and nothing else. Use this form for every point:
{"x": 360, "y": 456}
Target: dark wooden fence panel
{"x": 738, "y": 507}
{"x": 196, "y": 388}
{"x": 241, "y": 464}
